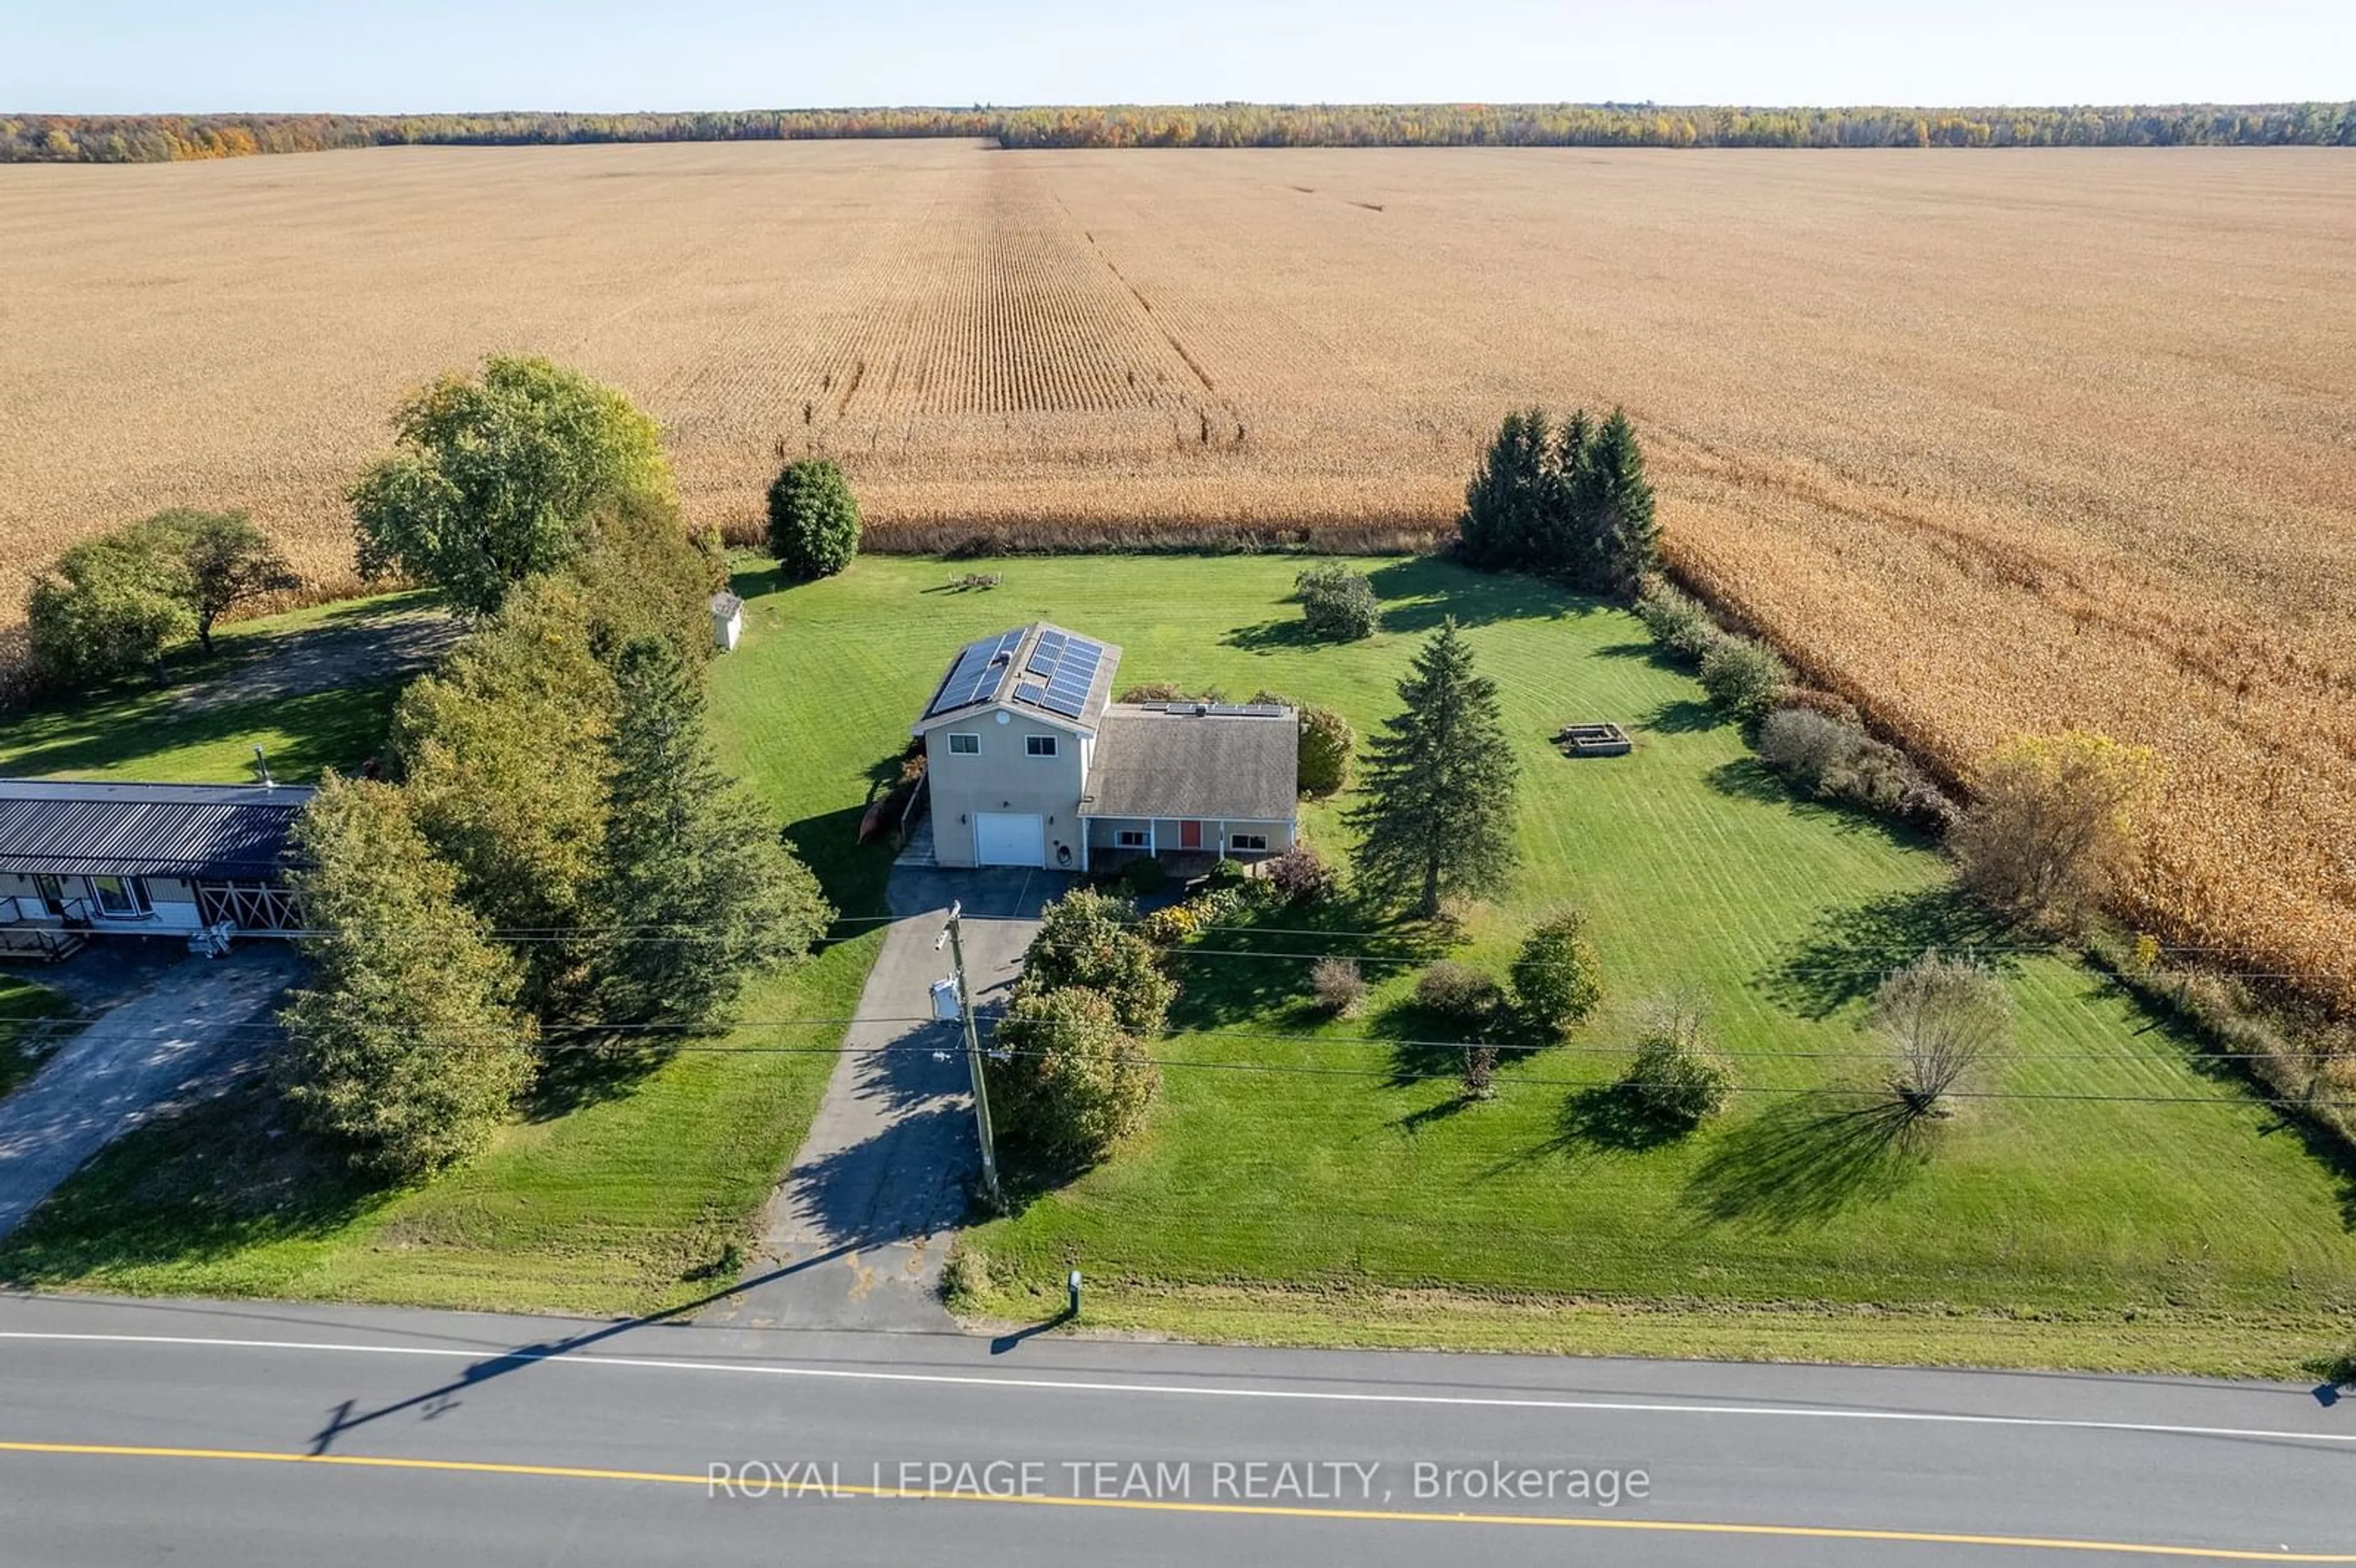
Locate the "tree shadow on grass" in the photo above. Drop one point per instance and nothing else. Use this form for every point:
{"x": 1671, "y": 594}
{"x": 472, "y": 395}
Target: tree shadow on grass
{"x": 1218, "y": 987}
{"x": 1610, "y": 1116}
{"x": 198, "y": 1185}
{"x": 1747, "y": 778}
{"x": 1803, "y": 1161}
{"x": 580, "y": 1068}
{"x": 1292, "y": 632}
{"x": 1686, "y": 716}
{"x": 852, "y": 874}
{"x": 1845, "y": 955}
{"x": 1417, "y": 594}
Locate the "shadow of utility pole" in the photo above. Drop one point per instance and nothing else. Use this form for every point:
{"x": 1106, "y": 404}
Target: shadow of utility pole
{"x": 438, "y": 1401}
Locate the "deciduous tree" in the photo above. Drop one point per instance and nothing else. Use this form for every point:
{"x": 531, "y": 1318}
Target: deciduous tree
{"x": 2054, "y": 824}
{"x": 497, "y": 478}
{"x": 813, "y": 519}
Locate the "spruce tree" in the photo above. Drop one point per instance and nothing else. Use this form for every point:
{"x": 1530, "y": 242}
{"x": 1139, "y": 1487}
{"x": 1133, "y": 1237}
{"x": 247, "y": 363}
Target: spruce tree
{"x": 699, "y": 891}
{"x": 405, "y": 1046}
{"x": 1437, "y": 815}
{"x": 1505, "y": 505}
{"x": 1566, "y": 535}
{"x": 1627, "y": 537}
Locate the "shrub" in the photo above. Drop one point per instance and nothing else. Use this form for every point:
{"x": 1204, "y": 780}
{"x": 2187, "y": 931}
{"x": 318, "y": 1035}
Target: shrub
{"x": 813, "y": 519}
{"x": 1166, "y": 927}
{"x": 1556, "y": 976}
{"x": 1071, "y": 1080}
{"x": 109, "y": 605}
{"x": 1943, "y": 1017}
{"x": 1338, "y": 604}
{"x": 1085, "y": 942}
{"x": 1226, "y": 873}
{"x": 1301, "y": 876}
{"x": 1676, "y": 620}
{"x": 1477, "y": 1071}
{"x": 1340, "y": 990}
{"x": 1143, "y": 877}
{"x": 1676, "y": 1079}
{"x": 1828, "y": 703}
{"x": 1153, "y": 691}
{"x": 2054, "y": 827}
{"x": 1805, "y": 746}
{"x": 1460, "y": 994}
{"x": 1743, "y": 678}
{"x": 1327, "y": 744}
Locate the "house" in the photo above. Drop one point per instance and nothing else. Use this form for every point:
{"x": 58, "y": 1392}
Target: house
{"x": 144, "y": 859}
{"x": 1030, "y": 763}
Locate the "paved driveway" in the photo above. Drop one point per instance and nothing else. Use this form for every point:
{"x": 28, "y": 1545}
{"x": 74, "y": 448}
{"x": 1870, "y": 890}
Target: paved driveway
{"x": 854, "y": 1236}
{"x": 184, "y": 1034}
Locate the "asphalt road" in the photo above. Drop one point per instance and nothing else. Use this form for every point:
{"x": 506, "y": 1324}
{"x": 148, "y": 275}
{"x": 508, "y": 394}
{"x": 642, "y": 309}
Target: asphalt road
{"x": 248, "y": 1435}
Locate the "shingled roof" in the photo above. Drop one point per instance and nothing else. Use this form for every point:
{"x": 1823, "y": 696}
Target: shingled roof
{"x": 1181, "y": 760}
{"x": 221, "y": 832}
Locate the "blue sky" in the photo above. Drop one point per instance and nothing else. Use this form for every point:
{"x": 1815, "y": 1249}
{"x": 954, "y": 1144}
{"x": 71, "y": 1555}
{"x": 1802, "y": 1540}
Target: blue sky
{"x": 101, "y": 56}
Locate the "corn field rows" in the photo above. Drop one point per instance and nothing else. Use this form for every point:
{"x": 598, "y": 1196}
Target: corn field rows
{"x": 1993, "y": 444}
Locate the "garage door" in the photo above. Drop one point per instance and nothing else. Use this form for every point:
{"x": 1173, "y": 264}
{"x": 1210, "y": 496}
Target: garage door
{"x": 1009, "y": 839}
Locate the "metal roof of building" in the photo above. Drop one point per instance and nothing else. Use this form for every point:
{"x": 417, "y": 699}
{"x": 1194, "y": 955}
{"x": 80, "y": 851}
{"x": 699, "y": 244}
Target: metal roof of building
{"x": 68, "y": 828}
{"x": 1185, "y": 760}
{"x": 1057, "y": 674}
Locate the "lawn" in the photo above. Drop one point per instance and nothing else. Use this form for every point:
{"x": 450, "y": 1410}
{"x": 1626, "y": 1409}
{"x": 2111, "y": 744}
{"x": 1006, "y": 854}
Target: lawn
{"x": 629, "y": 1196}
{"x": 26, "y": 1037}
{"x": 1325, "y": 1185}
{"x": 171, "y": 732}
{"x": 2106, "y": 1225}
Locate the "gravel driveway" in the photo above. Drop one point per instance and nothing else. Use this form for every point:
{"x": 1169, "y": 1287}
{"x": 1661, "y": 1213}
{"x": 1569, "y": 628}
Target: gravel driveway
{"x": 183, "y": 1036}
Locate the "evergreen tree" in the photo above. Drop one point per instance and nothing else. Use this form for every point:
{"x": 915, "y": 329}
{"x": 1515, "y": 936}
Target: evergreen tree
{"x": 1504, "y": 505}
{"x": 1567, "y": 537}
{"x": 405, "y": 1045}
{"x": 503, "y": 750}
{"x": 1626, "y": 537}
{"x": 1438, "y": 812}
{"x": 699, "y": 892}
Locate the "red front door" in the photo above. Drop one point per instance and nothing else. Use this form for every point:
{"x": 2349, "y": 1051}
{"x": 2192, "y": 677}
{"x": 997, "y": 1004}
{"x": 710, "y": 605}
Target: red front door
{"x": 1190, "y": 836}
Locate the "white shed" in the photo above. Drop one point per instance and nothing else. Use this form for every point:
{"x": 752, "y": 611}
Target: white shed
{"x": 727, "y": 621}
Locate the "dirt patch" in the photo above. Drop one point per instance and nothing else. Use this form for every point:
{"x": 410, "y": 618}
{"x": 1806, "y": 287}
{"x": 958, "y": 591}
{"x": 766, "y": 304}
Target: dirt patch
{"x": 360, "y": 648}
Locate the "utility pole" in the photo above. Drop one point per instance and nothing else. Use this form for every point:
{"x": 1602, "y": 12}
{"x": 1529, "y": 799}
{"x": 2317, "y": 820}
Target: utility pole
{"x": 973, "y": 1062}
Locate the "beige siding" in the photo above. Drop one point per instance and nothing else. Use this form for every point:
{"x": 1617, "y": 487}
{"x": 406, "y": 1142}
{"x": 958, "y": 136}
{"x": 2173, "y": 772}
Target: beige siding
{"x": 1003, "y": 776}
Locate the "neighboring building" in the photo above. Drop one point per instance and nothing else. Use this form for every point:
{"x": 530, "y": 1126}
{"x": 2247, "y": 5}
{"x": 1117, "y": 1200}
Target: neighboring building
{"x": 142, "y": 859}
{"x": 1030, "y": 763}
{"x": 727, "y": 621}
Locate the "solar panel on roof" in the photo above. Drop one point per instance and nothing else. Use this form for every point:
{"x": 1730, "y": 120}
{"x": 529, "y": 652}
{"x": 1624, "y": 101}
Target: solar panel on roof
{"x": 1030, "y": 691}
{"x": 1044, "y": 656}
{"x": 976, "y": 675}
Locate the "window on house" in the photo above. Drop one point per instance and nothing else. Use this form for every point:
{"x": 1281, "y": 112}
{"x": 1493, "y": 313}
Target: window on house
{"x": 965, "y": 745}
{"x": 125, "y": 897}
{"x": 1131, "y": 838}
{"x": 1040, "y": 745}
{"x": 1246, "y": 841}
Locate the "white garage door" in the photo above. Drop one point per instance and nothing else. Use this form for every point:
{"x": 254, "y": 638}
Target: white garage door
{"x": 1009, "y": 839}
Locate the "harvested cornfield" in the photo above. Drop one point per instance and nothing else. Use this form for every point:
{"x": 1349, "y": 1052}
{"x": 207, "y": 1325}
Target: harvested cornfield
{"x": 1991, "y": 441}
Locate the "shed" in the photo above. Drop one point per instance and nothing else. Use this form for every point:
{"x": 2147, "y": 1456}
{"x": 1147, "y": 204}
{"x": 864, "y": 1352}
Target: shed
{"x": 727, "y": 621}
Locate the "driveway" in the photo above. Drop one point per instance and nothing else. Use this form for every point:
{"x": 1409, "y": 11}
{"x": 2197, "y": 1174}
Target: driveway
{"x": 855, "y": 1234}
{"x": 182, "y": 1034}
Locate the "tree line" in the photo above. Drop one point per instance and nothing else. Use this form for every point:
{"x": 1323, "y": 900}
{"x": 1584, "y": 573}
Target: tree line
{"x": 165, "y": 138}
{"x": 551, "y": 877}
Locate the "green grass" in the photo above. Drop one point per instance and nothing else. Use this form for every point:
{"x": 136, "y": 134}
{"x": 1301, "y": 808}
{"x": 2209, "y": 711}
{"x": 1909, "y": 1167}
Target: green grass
{"x": 25, "y": 1041}
{"x": 1695, "y": 869}
{"x": 140, "y": 729}
{"x": 627, "y": 1204}
{"x": 629, "y": 1200}
{"x": 1364, "y": 1205}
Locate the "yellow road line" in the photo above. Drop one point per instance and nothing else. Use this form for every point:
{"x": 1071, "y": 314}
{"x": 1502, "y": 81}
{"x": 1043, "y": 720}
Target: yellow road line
{"x": 1255, "y": 1510}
